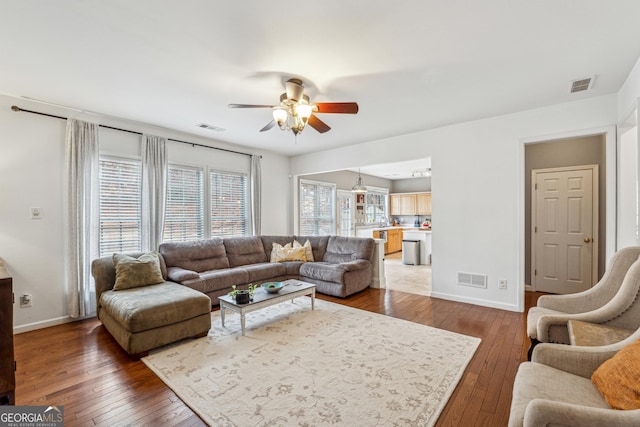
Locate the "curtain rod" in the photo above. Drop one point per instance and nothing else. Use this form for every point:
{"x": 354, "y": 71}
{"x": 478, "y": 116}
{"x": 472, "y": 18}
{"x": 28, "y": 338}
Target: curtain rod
{"x": 193, "y": 144}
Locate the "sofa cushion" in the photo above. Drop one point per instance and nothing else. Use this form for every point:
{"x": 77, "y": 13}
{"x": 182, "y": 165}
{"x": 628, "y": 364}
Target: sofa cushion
{"x": 323, "y": 271}
{"x": 133, "y": 272}
{"x": 344, "y": 249}
{"x": 244, "y": 250}
{"x": 618, "y": 379}
{"x": 215, "y": 280}
{"x": 179, "y": 274}
{"x": 153, "y": 306}
{"x": 197, "y": 255}
{"x": 264, "y": 271}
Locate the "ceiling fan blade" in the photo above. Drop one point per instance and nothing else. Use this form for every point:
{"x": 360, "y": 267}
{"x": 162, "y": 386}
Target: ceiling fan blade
{"x": 318, "y": 124}
{"x": 268, "y": 126}
{"x": 337, "y": 107}
{"x": 249, "y": 106}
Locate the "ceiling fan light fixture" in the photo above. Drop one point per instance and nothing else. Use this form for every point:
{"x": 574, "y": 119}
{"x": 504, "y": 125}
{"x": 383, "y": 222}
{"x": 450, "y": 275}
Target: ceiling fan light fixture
{"x": 280, "y": 115}
{"x": 304, "y": 111}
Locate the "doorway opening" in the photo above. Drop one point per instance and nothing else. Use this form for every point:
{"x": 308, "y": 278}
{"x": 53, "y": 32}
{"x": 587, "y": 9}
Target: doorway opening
{"x": 566, "y": 153}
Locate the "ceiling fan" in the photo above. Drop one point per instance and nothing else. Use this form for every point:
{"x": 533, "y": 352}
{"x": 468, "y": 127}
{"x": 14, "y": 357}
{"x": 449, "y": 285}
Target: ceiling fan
{"x": 295, "y": 110}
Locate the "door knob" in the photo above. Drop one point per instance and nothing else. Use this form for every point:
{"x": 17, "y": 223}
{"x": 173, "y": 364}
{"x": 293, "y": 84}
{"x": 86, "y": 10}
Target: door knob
{"x": 587, "y": 240}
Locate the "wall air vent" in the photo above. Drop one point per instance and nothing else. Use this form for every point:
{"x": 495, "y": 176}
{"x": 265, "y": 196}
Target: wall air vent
{"x": 472, "y": 279}
{"x": 210, "y": 127}
{"x": 581, "y": 85}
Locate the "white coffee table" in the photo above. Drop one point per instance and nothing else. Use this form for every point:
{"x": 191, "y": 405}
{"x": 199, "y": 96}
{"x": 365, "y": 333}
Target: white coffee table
{"x": 261, "y": 299}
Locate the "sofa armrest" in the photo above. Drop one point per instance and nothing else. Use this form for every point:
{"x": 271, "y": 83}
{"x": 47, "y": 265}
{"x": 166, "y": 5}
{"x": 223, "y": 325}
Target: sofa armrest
{"x": 179, "y": 274}
{"x": 582, "y": 361}
{"x": 359, "y": 264}
{"x": 542, "y": 412}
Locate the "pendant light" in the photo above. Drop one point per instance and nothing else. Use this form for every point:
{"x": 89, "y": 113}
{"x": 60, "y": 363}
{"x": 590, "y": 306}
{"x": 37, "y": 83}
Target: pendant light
{"x": 359, "y": 187}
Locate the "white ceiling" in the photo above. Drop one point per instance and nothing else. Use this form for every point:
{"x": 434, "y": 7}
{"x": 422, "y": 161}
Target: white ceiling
{"x": 410, "y": 65}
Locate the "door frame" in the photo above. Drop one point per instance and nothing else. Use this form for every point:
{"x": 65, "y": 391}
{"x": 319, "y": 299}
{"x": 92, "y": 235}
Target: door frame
{"x": 610, "y": 135}
{"x": 595, "y": 209}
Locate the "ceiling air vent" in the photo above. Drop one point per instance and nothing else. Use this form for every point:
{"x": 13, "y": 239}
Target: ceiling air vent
{"x": 581, "y": 85}
{"x": 472, "y": 279}
{"x": 210, "y": 127}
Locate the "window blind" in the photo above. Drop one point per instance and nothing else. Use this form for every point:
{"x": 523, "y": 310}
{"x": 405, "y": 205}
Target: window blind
{"x": 120, "y": 206}
{"x": 229, "y": 207}
{"x": 317, "y": 213}
{"x": 184, "y": 214}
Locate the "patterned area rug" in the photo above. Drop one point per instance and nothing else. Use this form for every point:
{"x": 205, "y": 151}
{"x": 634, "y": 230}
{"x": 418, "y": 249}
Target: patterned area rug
{"x": 335, "y": 365}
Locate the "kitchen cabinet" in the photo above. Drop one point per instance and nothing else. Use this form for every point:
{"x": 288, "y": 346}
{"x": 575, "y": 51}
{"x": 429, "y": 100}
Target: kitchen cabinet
{"x": 394, "y": 241}
{"x": 410, "y": 204}
{"x": 423, "y": 203}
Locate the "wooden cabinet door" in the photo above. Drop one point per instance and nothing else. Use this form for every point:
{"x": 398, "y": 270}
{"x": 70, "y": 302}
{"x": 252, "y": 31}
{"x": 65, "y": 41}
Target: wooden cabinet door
{"x": 423, "y": 200}
{"x": 408, "y": 204}
{"x": 394, "y": 203}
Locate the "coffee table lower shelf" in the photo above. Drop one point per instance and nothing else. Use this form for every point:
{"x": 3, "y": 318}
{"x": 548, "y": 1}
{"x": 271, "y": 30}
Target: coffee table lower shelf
{"x": 261, "y": 299}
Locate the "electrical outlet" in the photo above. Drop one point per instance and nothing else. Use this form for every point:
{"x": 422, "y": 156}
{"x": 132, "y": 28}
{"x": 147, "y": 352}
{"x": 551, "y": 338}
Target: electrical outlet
{"x": 26, "y": 301}
{"x": 36, "y": 213}
{"x": 502, "y": 284}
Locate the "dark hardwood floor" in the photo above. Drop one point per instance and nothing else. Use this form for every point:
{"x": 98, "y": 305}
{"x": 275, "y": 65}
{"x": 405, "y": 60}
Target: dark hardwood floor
{"x": 79, "y": 366}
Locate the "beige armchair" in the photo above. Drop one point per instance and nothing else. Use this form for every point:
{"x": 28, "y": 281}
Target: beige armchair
{"x": 547, "y": 321}
{"x": 555, "y": 388}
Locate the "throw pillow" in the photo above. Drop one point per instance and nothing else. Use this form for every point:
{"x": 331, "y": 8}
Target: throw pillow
{"x": 277, "y": 251}
{"x": 136, "y": 272}
{"x": 618, "y": 379}
{"x": 284, "y": 253}
{"x": 308, "y": 251}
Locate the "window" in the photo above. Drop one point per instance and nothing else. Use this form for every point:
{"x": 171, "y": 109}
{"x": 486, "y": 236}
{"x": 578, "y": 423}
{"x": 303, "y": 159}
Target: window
{"x": 317, "y": 202}
{"x": 229, "y": 207}
{"x": 184, "y": 215}
{"x": 376, "y": 207}
{"x": 120, "y": 206}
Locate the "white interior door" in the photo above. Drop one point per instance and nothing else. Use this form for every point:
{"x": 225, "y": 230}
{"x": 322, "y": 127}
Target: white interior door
{"x": 565, "y": 227}
{"x": 346, "y": 215}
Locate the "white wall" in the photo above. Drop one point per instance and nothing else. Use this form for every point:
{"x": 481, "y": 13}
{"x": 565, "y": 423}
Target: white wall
{"x": 477, "y": 190}
{"x": 629, "y": 93}
{"x": 31, "y": 175}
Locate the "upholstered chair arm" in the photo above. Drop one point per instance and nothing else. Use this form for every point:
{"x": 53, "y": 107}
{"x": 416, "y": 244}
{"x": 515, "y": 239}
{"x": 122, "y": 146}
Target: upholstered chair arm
{"x": 541, "y": 413}
{"x": 570, "y": 303}
{"x": 359, "y": 264}
{"x": 582, "y": 361}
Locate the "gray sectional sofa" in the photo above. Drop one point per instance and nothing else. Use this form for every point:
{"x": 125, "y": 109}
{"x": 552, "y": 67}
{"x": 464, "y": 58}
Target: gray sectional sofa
{"x": 341, "y": 265}
{"x": 174, "y": 301}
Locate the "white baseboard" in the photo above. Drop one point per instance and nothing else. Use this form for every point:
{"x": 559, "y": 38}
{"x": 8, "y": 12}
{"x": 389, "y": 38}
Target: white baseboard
{"x": 528, "y": 288}
{"x": 42, "y": 324}
{"x": 476, "y": 301}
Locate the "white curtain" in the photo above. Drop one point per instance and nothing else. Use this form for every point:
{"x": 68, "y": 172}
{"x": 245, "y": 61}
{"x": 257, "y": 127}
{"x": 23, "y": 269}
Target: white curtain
{"x": 256, "y": 195}
{"x": 81, "y": 193}
{"x": 154, "y": 189}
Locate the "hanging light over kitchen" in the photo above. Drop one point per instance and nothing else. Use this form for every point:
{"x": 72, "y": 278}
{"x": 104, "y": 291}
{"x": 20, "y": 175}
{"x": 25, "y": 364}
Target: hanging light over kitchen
{"x": 359, "y": 187}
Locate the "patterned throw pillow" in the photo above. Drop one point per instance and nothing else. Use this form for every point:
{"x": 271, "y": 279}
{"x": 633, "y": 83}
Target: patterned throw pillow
{"x": 284, "y": 253}
{"x": 308, "y": 251}
{"x": 136, "y": 272}
{"x": 618, "y": 379}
